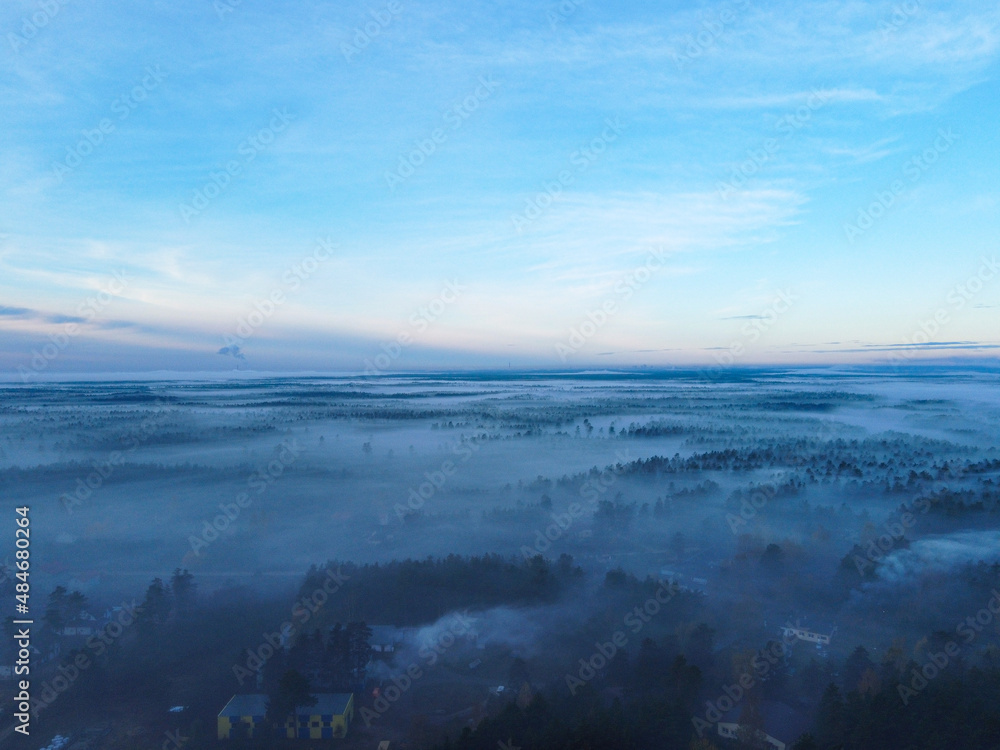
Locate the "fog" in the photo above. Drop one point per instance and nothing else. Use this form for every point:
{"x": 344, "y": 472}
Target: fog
{"x": 858, "y": 503}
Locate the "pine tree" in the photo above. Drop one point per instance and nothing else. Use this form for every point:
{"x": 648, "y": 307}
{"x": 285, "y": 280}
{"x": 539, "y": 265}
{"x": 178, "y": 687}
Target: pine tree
{"x": 184, "y": 589}
{"x": 291, "y": 692}
{"x": 830, "y": 717}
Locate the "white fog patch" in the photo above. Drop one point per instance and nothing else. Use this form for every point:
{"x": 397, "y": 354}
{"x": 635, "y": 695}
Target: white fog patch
{"x": 940, "y": 554}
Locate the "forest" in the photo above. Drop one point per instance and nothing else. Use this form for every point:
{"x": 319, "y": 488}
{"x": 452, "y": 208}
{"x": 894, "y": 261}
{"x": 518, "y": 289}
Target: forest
{"x": 635, "y": 561}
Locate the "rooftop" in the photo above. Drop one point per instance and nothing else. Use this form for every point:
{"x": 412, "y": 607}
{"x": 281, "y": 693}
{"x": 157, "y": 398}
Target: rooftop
{"x": 328, "y": 703}
{"x": 255, "y": 704}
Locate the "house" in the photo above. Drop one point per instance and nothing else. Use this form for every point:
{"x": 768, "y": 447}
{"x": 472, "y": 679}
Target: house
{"x": 730, "y": 731}
{"x": 243, "y": 717}
{"x": 386, "y": 638}
{"x": 806, "y": 635}
{"x": 84, "y": 624}
{"x": 778, "y": 719}
{"x": 330, "y": 717}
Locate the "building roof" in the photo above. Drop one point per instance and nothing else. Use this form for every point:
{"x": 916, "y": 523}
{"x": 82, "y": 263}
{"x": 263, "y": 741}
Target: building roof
{"x": 780, "y": 720}
{"x": 255, "y": 704}
{"x": 327, "y": 703}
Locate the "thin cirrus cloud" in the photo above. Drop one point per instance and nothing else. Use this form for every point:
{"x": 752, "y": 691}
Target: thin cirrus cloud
{"x": 929, "y": 346}
{"x": 698, "y": 96}
{"x": 28, "y": 314}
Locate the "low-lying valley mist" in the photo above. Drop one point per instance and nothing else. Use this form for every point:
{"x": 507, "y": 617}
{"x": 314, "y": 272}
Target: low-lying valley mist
{"x": 620, "y": 560}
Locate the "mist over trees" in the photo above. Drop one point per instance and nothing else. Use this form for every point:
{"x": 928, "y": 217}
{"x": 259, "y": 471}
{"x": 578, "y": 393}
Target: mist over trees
{"x": 550, "y": 562}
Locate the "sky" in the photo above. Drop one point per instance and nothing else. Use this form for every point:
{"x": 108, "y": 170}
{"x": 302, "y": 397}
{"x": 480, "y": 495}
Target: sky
{"x": 390, "y": 186}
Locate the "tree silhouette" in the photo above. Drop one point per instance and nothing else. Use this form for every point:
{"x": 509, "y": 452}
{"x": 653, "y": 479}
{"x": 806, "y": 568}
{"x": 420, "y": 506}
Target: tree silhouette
{"x": 291, "y": 692}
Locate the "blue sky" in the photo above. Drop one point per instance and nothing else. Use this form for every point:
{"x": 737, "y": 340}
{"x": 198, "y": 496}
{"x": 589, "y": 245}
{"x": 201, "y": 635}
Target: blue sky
{"x": 467, "y": 185}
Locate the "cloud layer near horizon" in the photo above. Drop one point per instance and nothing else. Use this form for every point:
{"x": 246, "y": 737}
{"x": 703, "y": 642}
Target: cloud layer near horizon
{"x": 449, "y": 185}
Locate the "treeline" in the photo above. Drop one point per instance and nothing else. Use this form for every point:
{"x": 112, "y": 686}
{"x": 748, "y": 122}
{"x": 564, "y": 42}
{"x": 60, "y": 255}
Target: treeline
{"x": 521, "y": 513}
{"x": 657, "y": 718}
{"x": 70, "y": 471}
{"x": 331, "y": 662}
{"x": 958, "y": 707}
{"x": 952, "y": 503}
{"x": 614, "y": 513}
{"x": 837, "y": 457}
{"x": 888, "y": 707}
{"x": 414, "y": 592}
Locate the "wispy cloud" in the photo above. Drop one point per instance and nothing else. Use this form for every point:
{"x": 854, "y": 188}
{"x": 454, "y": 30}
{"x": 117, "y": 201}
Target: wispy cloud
{"x": 930, "y": 346}
{"x": 691, "y": 126}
